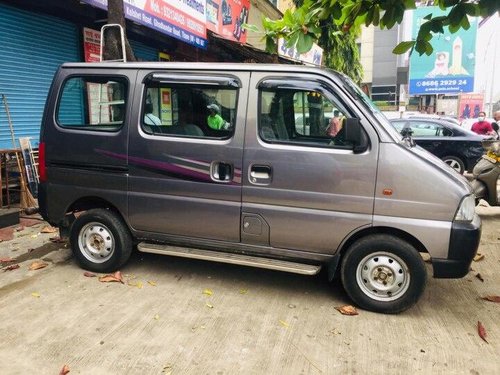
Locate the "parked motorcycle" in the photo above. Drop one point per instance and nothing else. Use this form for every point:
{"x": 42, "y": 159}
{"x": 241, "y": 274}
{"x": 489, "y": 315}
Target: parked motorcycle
{"x": 486, "y": 173}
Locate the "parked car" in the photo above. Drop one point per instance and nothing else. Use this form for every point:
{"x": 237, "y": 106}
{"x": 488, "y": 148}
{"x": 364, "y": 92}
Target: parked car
{"x": 423, "y": 116}
{"x": 458, "y": 147}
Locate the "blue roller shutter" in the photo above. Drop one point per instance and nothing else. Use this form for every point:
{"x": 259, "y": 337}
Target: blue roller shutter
{"x": 142, "y": 52}
{"x": 32, "y": 48}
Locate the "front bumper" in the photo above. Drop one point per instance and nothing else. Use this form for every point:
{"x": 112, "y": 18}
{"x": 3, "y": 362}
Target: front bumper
{"x": 464, "y": 241}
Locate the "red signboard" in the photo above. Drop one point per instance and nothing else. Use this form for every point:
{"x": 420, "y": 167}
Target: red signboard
{"x": 225, "y": 17}
{"x": 469, "y": 105}
{"x": 91, "y": 45}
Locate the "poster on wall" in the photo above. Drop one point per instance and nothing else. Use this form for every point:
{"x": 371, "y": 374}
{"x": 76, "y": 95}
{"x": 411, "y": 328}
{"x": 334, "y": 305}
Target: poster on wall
{"x": 469, "y": 105}
{"x": 312, "y": 57}
{"x": 450, "y": 67}
{"x": 225, "y": 17}
{"x": 181, "y": 19}
{"x": 91, "y": 45}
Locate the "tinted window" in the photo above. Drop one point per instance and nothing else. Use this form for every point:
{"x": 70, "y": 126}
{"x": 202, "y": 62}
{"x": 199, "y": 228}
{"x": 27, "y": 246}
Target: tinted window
{"x": 302, "y": 117}
{"x": 189, "y": 110}
{"x": 93, "y": 103}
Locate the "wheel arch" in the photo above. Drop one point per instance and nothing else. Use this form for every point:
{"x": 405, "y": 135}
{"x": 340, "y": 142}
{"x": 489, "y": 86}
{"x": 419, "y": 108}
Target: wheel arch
{"x": 333, "y": 268}
{"x": 87, "y": 203}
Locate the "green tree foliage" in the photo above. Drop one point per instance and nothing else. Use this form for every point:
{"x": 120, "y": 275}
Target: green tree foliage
{"x": 304, "y": 26}
{"x": 340, "y": 51}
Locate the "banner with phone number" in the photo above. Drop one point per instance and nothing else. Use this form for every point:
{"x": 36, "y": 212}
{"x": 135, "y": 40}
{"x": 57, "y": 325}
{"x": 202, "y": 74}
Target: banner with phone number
{"x": 450, "y": 67}
{"x": 183, "y": 20}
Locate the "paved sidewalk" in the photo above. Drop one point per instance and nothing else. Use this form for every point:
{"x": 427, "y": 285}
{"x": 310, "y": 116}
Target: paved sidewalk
{"x": 182, "y": 316}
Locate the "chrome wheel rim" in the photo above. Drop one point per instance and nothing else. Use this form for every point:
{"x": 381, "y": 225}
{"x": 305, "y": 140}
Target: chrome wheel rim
{"x": 454, "y": 164}
{"x": 96, "y": 242}
{"x": 383, "y": 276}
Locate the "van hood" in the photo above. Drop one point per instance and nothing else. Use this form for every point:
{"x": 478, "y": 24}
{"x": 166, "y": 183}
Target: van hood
{"x": 442, "y": 166}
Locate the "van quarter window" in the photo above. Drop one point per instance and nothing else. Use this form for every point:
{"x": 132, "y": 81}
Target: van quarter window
{"x": 189, "y": 110}
{"x": 299, "y": 116}
{"x": 93, "y": 103}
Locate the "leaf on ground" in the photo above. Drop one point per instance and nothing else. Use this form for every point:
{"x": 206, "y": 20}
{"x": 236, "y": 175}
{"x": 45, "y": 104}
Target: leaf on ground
{"x": 335, "y": 331}
{"x": 283, "y": 323}
{"x": 64, "y": 370}
{"x": 34, "y": 236}
{"x": 116, "y": 277}
{"x": 209, "y": 306}
{"x": 243, "y": 291}
{"x": 478, "y": 257}
{"x": 89, "y": 274}
{"x": 38, "y": 265}
{"x": 492, "y": 298}
{"x": 208, "y": 292}
{"x": 478, "y": 275}
{"x": 481, "y": 331}
{"x": 137, "y": 284}
{"x": 49, "y": 229}
{"x": 7, "y": 260}
{"x": 35, "y": 294}
{"x": 11, "y": 267}
{"x": 152, "y": 283}
{"x": 156, "y": 317}
{"x": 347, "y": 310}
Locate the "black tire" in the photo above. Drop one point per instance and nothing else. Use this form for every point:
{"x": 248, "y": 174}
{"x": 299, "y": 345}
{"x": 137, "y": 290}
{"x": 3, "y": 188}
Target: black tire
{"x": 379, "y": 258}
{"x": 100, "y": 240}
{"x": 455, "y": 162}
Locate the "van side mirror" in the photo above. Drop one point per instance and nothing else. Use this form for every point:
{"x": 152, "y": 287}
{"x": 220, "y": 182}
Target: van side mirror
{"x": 354, "y": 133}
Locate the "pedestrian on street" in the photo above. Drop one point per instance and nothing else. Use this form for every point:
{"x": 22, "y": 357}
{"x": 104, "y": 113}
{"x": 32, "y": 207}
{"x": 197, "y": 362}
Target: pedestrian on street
{"x": 482, "y": 126}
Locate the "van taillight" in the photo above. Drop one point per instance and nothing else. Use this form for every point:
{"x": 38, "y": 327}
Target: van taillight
{"x": 42, "y": 169}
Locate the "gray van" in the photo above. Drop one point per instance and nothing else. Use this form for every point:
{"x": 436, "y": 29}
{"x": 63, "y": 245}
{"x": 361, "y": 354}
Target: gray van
{"x": 205, "y": 161}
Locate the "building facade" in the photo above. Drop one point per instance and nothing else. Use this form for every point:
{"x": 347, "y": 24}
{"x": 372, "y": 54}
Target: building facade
{"x": 37, "y": 36}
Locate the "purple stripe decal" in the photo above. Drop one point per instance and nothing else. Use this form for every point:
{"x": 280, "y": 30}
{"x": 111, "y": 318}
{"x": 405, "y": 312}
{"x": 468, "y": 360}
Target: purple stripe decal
{"x": 176, "y": 169}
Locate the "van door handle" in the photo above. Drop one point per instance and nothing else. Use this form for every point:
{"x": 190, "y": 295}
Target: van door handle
{"x": 221, "y": 172}
{"x": 260, "y": 174}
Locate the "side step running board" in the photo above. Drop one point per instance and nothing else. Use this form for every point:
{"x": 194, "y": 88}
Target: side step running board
{"x": 244, "y": 260}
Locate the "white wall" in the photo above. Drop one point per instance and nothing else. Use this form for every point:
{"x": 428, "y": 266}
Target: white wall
{"x": 487, "y": 73}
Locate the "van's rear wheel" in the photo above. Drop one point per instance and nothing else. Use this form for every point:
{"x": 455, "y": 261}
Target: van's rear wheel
{"x": 100, "y": 240}
{"x": 383, "y": 273}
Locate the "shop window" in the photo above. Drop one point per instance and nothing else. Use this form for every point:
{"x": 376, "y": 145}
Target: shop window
{"x": 93, "y": 103}
{"x": 189, "y": 110}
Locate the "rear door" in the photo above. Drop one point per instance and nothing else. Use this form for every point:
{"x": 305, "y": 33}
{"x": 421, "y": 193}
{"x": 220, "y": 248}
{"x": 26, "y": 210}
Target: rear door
{"x": 302, "y": 188}
{"x": 185, "y": 176}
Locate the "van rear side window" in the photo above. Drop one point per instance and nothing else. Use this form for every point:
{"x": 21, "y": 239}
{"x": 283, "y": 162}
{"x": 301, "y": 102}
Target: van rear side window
{"x": 189, "y": 110}
{"x": 93, "y": 103}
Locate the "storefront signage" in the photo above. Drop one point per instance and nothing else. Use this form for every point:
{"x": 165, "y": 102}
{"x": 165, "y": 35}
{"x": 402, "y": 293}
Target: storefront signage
{"x": 91, "y": 45}
{"x": 225, "y": 17}
{"x": 450, "y": 68}
{"x": 312, "y": 57}
{"x": 182, "y": 19}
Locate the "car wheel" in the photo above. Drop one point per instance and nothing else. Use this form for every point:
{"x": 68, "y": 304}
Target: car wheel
{"x": 456, "y": 163}
{"x": 100, "y": 240}
{"x": 383, "y": 273}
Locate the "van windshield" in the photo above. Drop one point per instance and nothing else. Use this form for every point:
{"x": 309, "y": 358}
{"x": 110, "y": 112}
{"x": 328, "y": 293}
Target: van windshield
{"x": 368, "y": 104}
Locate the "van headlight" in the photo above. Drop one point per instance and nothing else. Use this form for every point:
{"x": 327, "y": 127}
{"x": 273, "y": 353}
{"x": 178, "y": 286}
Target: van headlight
{"x": 467, "y": 209}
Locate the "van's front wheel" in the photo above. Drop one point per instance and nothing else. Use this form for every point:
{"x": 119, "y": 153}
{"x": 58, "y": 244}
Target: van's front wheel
{"x": 383, "y": 273}
{"x": 100, "y": 240}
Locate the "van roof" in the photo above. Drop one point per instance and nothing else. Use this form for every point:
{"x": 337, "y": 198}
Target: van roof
{"x": 204, "y": 66}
